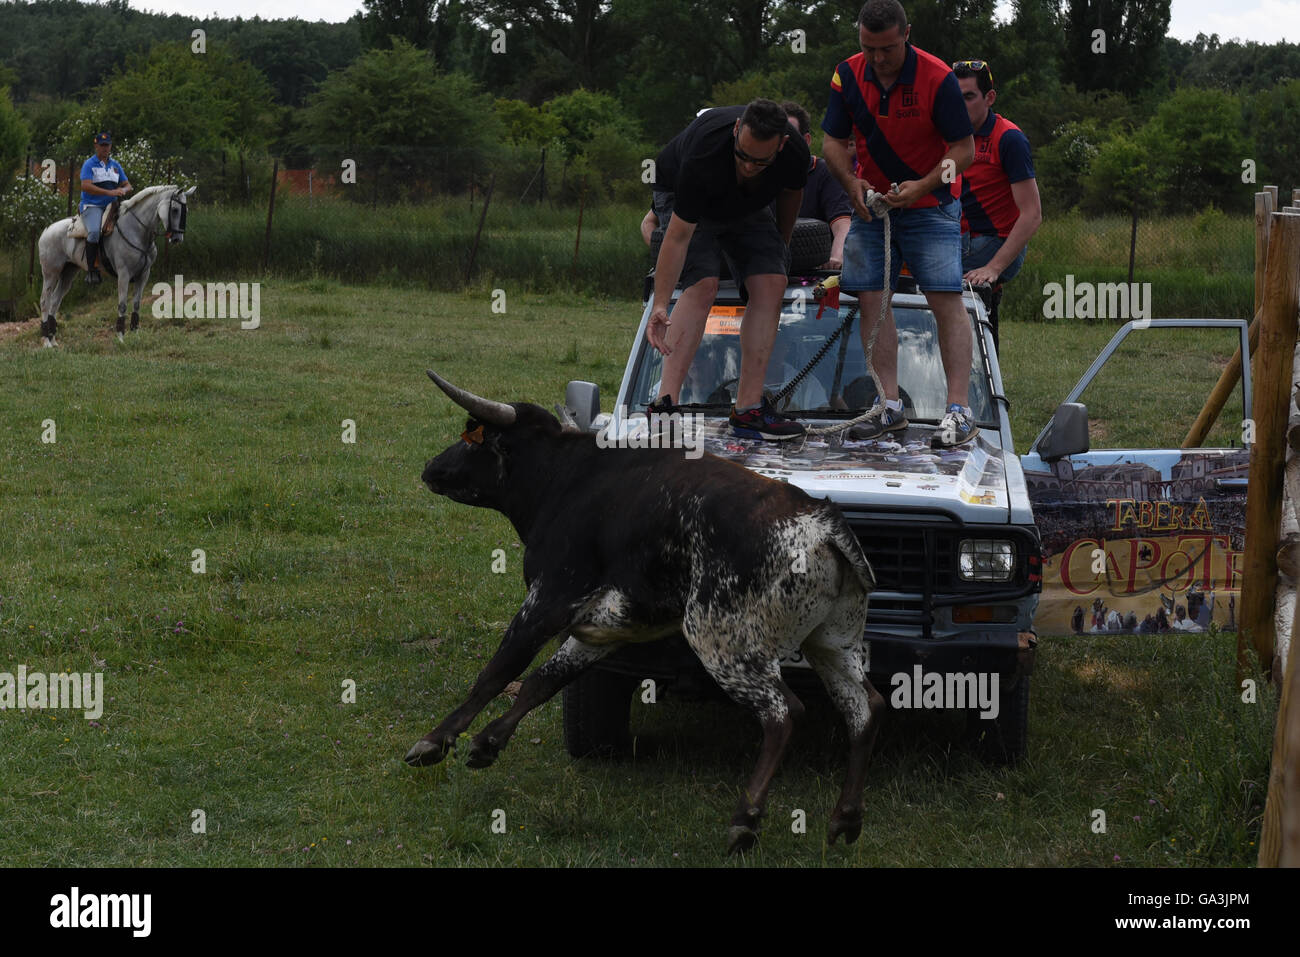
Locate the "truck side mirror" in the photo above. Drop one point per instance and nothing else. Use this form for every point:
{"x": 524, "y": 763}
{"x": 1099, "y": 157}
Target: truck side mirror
{"x": 1067, "y": 434}
{"x": 583, "y": 400}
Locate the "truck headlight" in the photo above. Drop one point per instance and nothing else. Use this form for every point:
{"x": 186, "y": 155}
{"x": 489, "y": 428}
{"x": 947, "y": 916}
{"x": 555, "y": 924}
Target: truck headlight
{"x": 986, "y": 560}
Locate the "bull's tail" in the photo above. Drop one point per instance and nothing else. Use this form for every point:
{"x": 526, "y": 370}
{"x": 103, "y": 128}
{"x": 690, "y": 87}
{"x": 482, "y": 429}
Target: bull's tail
{"x": 847, "y": 544}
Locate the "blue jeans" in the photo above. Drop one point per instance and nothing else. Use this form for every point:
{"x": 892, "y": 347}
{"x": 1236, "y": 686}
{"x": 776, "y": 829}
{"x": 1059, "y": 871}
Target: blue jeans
{"x": 92, "y": 216}
{"x": 927, "y": 239}
{"x": 977, "y": 251}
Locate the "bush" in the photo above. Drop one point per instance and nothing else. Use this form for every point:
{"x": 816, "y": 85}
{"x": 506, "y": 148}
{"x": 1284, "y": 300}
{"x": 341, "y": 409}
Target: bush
{"x": 26, "y": 205}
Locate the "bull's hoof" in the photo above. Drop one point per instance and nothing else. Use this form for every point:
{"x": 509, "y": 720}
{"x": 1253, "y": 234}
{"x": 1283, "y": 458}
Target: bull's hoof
{"x": 846, "y": 821}
{"x": 121, "y": 326}
{"x": 121, "y": 338}
{"x": 483, "y": 752}
{"x": 425, "y": 752}
{"x": 741, "y": 838}
{"x": 135, "y": 321}
{"x": 47, "y": 342}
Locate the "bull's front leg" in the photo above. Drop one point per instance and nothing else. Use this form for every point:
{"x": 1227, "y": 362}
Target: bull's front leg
{"x": 532, "y": 627}
{"x": 572, "y": 659}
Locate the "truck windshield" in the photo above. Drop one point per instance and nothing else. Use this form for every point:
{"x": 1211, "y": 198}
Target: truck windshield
{"x": 837, "y": 383}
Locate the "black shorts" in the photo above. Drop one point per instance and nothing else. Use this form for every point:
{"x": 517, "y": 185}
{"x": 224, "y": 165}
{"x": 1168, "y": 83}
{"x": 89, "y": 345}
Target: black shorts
{"x": 752, "y": 245}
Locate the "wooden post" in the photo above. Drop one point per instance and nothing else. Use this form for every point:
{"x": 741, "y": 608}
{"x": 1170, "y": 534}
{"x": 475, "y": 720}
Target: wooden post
{"x": 487, "y": 199}
{"x": 270, "y": 213}
{"x": 1209, "y": 413}
{"x": 72, "y": 172}
{"x": 582, "y": 203}
{"x": 1132, "y": 245}
{"x": 1277, "y": 338}
{"x": 1279, "y": 842}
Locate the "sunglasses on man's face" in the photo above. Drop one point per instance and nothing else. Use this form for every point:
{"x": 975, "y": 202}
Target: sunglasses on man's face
{"x": 746, "y": 158}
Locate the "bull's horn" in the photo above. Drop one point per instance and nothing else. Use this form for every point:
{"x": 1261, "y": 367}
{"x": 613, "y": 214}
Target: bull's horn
{"x": 485, "y": 410}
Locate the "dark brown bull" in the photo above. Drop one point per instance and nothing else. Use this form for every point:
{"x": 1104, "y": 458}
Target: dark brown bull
{"x": 632, "y": 545}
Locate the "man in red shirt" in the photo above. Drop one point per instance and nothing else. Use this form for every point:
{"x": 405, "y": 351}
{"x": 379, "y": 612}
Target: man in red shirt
{"x": 999, "y": 195}
{"x": 900, "y": 110}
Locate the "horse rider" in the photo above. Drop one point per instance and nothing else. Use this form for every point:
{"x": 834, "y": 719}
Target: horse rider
{"x": 102, "y": 181}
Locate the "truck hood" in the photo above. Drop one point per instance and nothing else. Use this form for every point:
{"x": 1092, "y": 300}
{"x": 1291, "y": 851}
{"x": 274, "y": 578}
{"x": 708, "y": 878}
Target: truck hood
{"x": 897, "y": 472}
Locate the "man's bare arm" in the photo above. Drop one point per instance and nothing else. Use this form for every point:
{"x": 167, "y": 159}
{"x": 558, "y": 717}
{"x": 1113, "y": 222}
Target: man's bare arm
{"x": 787, "y": 212}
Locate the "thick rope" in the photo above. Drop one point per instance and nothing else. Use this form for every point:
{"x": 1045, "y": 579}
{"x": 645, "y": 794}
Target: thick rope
{"x": 880, "y": 209}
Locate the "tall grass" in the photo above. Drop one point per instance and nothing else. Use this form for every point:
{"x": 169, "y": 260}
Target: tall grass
{"x": 1198, "y": 265}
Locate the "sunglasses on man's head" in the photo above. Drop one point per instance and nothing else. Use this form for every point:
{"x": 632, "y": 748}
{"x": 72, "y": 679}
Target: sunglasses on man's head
{"x": 976, "y": 66}
{"x": 746, "y": 158}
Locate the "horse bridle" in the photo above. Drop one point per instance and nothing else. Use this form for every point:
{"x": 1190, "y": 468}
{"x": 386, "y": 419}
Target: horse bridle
{"x": 167, "y": 232}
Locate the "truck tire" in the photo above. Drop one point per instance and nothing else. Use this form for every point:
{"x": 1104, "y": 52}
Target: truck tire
{"x": 597, "y": 708}
{"x": 1004, "y": 739}
{"x": 810, "y": 246}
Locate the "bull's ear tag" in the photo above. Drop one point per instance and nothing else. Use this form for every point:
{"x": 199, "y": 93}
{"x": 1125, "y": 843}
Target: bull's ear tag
{"x": 475, "y": 437}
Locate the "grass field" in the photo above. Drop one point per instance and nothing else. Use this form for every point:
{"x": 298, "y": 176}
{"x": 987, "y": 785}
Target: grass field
{"x": 329, "y": 562}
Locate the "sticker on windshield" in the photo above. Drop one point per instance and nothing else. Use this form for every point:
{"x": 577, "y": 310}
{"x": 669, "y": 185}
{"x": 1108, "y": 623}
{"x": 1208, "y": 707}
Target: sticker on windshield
{"x": 724, "y": 321}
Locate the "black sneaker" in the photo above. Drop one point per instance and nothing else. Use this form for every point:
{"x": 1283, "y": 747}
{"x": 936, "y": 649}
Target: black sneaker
{"x": 92, "y": 277}
{"x": 764, "y": 423}
{"x": 955, "y": 428}
{"x": 883, "y": 419}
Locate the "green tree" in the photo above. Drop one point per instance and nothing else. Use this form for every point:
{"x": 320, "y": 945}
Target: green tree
{"x": 182, "y": 102}
{"x": 1132, "y": 34}
{"x": 1198, "y": 138}
{"x": 1128, "y": 173}
{"x": 405, "y": 123}
{"x": 1275, "y": 116}
{"x": 14, "y": 136}
{"x": 411, "y": 20}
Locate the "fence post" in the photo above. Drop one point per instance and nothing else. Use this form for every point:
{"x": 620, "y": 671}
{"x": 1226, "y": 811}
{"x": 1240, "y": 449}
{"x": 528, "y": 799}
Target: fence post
{"x": 1228, "y": 379}
{"x": 270, "y": 213}
{"x": 582, "y": 203}
{"x": 72, "y": 171}
{"x": 541, "y": 191}
{"x": 487, "y": 199}
{"x": 1132, "y": 245}
{"x": 1277, "y": 338}
{"x": 1279, "y": 843}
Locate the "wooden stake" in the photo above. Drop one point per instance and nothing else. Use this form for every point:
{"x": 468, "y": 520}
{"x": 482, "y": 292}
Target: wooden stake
{"x": 1277, "y": 338}
{"x": 1279, "y": 842}
{"x": 270, "y": 214}
{"x": 1218, "y": 396}
{"x": 487, "y": 200}
{"x": 582, "y": 203}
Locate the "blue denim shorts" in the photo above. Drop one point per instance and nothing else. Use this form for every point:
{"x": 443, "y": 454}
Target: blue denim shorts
{"x": 978, "y": 251}
{"x": 927, "y": 239}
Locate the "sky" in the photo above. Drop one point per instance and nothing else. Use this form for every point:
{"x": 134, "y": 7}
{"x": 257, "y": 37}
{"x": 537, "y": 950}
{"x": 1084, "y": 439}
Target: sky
{"x": 1266, "y": 21}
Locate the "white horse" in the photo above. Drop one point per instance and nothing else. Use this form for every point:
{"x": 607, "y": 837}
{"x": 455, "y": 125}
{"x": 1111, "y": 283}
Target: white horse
{"x": 128, "y": 252}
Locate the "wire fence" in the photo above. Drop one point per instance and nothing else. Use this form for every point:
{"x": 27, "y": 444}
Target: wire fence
{"x": 545, "y": 228}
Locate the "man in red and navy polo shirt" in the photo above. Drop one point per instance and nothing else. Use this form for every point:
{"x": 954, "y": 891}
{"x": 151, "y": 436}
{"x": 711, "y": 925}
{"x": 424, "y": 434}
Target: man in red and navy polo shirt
{"x": 999, "y": 195}
{"x": 910, "y": 132}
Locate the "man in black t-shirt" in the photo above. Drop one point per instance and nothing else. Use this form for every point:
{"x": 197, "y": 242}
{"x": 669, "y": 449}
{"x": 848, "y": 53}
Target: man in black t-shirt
{"x": 713, "y": 185}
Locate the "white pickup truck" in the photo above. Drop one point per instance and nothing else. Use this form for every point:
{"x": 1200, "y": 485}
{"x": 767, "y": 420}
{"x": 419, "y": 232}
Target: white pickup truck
{"x": 951, "y": 535}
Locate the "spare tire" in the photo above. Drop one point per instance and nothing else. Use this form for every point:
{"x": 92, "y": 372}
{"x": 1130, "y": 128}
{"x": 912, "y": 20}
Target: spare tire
{"x": 810, "y": 246}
